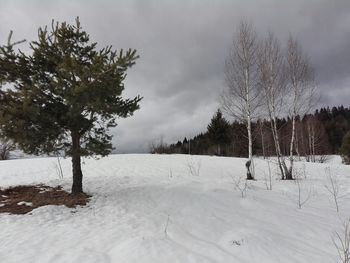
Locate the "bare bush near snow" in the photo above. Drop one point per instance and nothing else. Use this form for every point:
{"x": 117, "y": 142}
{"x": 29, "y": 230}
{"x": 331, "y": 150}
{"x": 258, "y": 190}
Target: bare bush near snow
{"x": 323, "y": 158}
{"x": 341, "y": 242}
{"x": 241, "y": 185}
{"x": 158, "y": 146}
{"x": 6, "y": 147}
{"x": 303, "y": 193}
{"x": 268, "y": 177}
{"x": 194, "y": 166}
{"x": 333, "y": 187}
{"x": 170, "y": 173}
{"x": 315, "y": 142}
{"x": 241, "y": 99}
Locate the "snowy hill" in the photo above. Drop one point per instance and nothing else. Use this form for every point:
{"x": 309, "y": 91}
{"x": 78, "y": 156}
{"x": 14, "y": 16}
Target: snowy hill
{"x": 176, "y": 208}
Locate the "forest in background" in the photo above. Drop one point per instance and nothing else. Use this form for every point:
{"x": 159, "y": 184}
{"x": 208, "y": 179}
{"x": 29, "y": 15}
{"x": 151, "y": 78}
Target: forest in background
{"x": 317, "y": 134}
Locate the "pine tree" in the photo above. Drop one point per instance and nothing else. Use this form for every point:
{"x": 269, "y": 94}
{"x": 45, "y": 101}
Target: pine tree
{"x": 219, "y": 130}
{"x": 66, "y": 95}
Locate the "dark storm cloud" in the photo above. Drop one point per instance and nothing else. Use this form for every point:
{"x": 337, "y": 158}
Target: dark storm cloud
{"x": 183, "y": 45}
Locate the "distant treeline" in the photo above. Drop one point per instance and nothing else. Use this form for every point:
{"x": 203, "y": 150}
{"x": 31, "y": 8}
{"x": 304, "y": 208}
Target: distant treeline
{"x": 320, "y": 133}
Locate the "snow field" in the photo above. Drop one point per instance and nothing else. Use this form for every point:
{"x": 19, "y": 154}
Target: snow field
{"x": 175, "y": 208}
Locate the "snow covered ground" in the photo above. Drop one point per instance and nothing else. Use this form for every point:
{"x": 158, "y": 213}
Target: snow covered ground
{"x": 175, "y": 208}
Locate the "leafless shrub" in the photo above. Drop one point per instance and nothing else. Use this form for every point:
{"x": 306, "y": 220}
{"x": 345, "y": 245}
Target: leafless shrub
{"x": 241, "y": 185}
{"x": 158, "y": 147}
{"x": 194, "y": 166}
{"x": 268, "y": 177}
{"x": 322, "y": 158}
{"x": 6, "y": 147}
{"x": 315, "y": 142}
{"x": 303, "y": 194}
{"x": 170, "y": 173}
{"x": 341, "y": 242}
{"x": 333, "y": 187}
{"x": 345, "y": 159}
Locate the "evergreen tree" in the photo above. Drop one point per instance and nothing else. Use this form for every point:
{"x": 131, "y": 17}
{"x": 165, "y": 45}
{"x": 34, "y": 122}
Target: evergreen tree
{"x": 66, "y": 95}
{"x": 345, "y": 148}
{"x": 219, "y": 130}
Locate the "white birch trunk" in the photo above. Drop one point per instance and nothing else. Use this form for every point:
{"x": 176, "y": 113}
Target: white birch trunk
{"x": 291, "y": 147}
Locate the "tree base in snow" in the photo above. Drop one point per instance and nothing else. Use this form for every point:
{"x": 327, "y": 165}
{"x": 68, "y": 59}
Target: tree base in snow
{"x": 23, "y": 199}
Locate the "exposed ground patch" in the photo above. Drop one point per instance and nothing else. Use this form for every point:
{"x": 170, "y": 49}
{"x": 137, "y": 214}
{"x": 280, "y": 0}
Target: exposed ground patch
{"x": 25, "y": 198}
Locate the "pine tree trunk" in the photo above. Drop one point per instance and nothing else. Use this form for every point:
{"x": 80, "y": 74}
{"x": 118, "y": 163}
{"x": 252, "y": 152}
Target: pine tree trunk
{"x": 77, "y": 187}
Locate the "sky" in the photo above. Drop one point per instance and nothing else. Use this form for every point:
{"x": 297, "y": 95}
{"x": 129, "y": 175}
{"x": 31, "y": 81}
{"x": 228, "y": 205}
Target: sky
{"x": 183, "y": 46}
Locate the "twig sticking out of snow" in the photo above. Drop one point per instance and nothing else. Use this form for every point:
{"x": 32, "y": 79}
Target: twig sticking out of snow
{"x": 194, "y": 166}
{"x": 333, "y": 187}
{"x": 268, "y": 178}
{"x": 237, "y": 242}
{"x": 58, "y": 167}
{"x": 302, "y": 198}
{"x": 241, "y": 185}
{"x": 166, "y": 226}
{"x": 341, "y": 242}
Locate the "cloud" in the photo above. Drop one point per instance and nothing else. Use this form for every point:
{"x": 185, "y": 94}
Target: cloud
{"x": 182, "y": 47}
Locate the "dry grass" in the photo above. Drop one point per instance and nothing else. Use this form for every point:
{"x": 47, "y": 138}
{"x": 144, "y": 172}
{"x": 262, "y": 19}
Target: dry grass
{"x": 23, "y": 199}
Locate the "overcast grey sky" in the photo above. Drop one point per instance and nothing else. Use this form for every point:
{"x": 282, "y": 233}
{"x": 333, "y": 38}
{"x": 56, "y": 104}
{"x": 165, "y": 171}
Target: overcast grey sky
{"x": 182, "y": 47}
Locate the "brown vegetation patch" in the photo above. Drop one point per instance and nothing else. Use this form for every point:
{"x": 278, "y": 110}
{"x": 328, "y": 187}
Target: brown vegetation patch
{"x": 23, "y": 199}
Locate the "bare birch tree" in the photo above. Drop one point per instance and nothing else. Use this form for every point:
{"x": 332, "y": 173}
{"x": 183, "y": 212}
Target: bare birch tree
{"x": 302, "y": 91}
{"x": 272, "y": 83}
{"x": 240, "y": 99}
{"x": 316, "y": 139}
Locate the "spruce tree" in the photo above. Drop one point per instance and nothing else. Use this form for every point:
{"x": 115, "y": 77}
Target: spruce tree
{"x": 65, "y": 95}
{"x": 219, "y": 130}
